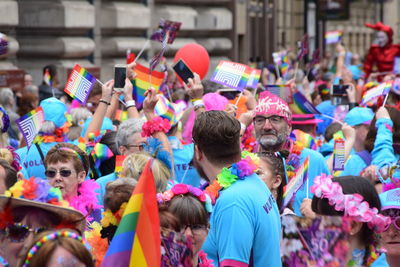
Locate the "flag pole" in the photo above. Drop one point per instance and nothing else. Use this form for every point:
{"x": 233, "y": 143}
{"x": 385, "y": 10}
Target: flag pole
{"x": 386, "y": 98}
{"x": 237, "y": 101}
{"x": 141, "y": 51}
{"x": 277, "y": 71}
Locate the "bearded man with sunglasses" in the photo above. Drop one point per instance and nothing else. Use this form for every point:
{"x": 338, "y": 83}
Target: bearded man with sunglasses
{"x": 273, "y": 124}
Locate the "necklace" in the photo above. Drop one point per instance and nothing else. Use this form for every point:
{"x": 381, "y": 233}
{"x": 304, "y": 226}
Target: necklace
{"x": 293, "y": 161}
{"x": 239, "y": 170}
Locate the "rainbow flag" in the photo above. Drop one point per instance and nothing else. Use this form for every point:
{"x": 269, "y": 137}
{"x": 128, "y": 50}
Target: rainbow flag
{"x": 100, "y": 153}
{"x": 285, "y": 64}
{"x": 80, "y": 83}
{"x": 142, "y": 82}
{"x": 119, "y": 160}
{"x": 121, "y": 115}
{"x": 281, "y": 90}
{"x": 137, "y": 239}
{"x": 295, "y": 183}
{"x": 333, "y": 37}
{"x": 165, "y": 109}
{"x": 377, "y": 91}
{"x": 255, "y": 75}
{"x": 29, "y": 124}
{"x": 232, "y": 74}
{"x": 47, "y": 77}
{"x": 301, "y": 105}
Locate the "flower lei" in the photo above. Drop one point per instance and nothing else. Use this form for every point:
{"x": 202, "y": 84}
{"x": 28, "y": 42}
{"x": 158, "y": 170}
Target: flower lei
{"x": 156, "y": 124}
{"x": 182, "y": 189}
{"x": 204, "y": 262}
{"x": 59, "y": 135}
{"x": 373, "y": 256}
{"x": 227, "y": 177}
{"x": 86, "y": 200}
{"x": 351, "y": 204}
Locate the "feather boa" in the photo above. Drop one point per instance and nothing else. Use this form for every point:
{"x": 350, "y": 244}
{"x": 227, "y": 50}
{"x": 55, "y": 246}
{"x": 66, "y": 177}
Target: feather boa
{"x": 86, "y": 200}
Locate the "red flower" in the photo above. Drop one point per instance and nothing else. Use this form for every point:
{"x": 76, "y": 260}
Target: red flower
{"x": 30, "y": 187}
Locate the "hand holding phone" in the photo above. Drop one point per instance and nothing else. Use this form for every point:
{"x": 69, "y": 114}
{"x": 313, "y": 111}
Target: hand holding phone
{"x": 183, "y": 71}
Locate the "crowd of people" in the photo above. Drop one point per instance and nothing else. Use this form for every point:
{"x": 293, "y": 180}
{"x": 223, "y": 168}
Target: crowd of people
{"x": 242, "y": 179}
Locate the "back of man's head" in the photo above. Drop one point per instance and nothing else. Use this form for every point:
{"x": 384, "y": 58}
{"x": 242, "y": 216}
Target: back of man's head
{"x": 217, "y": 135}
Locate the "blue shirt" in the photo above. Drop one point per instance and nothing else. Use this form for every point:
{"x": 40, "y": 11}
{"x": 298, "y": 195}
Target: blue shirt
{"x": 317, "y": 166}
{"x": 354, "y": 165}
{"x": 383, "y": 152}
{"x": 245, "y": 225}
{"x": 183, "y": 155}
{"x": 32, "y": 164}
{"x": 102, "y": 182}
{"x": 380, "y": 262}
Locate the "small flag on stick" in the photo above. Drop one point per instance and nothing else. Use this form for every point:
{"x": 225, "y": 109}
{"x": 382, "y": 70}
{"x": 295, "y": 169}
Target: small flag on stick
{"x": 142, "y": 82}
{"x": 29, "y": 124}
{"x": 79, "y": 84}
{"x": 232, "y": 74}
{"x": 333, "y": 37}
{"x": 381, "y": 89}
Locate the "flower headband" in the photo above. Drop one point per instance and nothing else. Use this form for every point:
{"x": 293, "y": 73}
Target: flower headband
{"x": 182, "y": 189}
{"x": 46, "y": 238}
{"x": 72, "y": 151}
{"x": 351, "y": 204}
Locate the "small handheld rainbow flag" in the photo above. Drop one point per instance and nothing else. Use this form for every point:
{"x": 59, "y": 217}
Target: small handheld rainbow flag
{"x": 255, "y": 75}
{"x": 29, "y": 124}
{"x": 142, "y": 82}
{"x": 232, "y": 74}
{"x": 333, "y": 37}
{"x": 295, "y": 183}
{"x": 285, "y": 64}
{"x": 281, "y": 90}
{"x": 301, "y": 105}
{"x": 381, "y": 89}
{"x": 121, "y": 115}
{"x": 47, "y": 77}
{"x": 100, "y": 153}
{"x": 119, "y": 160}
{"x": 165, "y": 109}
{"x": 79, "y": 84}
{"x": 137, "y": 239}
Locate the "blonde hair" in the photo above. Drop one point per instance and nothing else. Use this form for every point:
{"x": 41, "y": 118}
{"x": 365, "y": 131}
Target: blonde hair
{"x": 133, "y": 166}
{"x": 6, "y": 155}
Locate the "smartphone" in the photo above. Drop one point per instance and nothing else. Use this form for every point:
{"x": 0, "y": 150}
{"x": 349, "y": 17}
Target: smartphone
{"x": 339, "y": 95}
{"x": 119, "y": 77}
{"x": 183, "y": 70}
{"x": 229, "y": 93}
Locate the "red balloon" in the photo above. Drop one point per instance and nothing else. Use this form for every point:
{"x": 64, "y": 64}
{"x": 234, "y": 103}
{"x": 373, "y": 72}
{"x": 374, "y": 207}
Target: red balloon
{"x": 196, "y": 58}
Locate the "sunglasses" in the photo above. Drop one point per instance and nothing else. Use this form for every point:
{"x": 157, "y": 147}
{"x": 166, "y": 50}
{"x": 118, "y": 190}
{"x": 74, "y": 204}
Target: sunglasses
{"x": 395, "y": 221}
{"x": 18, "y": 232}
{"x": 196, "y": 228}
{"x": 53, "y": 173}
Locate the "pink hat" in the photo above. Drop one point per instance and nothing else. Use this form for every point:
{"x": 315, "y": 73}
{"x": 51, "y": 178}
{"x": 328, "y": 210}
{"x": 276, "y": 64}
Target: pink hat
{"x": 302, "y": 119}
{"x": 270, "y": 104}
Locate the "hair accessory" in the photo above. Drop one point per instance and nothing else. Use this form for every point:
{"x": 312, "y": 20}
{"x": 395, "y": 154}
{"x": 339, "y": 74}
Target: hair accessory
{"x": 351, "y": 204}
{"x": 15, "y": 163}
{"x": 157, "y": 124}
{"x": 5, "y": 119}
{"x": 46, "y": 238}
{"x": 182, "y": 189}
{"x": 73, "y": 151}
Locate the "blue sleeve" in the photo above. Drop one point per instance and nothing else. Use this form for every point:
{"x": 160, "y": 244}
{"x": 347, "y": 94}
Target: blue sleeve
{"x": 383, "y": 147}
{"x": 231, "y": 221}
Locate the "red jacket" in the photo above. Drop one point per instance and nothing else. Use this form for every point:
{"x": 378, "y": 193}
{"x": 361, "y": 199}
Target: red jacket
{"x": 383, "y": 57}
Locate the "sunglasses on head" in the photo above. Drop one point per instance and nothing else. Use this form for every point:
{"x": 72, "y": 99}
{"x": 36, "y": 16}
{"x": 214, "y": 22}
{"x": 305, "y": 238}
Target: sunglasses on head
{"x": 18, "y": 232}
{"x": 53, "y": 173}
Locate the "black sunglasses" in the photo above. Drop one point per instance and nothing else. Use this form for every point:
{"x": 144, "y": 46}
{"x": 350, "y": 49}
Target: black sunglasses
{"x": 53, "y": 173}
{"x": 18, "y": 232}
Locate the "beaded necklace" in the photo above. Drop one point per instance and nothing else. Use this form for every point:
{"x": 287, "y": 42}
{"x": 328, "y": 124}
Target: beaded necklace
{"x": 228, "y": 176}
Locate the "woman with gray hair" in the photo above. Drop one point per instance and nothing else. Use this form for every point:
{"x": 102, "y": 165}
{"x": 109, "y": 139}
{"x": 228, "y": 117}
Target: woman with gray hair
{"x": 79, "y": 116}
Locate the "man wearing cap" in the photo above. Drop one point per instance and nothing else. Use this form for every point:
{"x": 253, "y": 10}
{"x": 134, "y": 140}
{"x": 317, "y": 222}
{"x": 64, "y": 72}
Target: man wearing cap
{"x": 390, "y": 238}
{"x": 359, "y": 118}
{"x": 32, "y": 159}
{"x": 273, "y": 124}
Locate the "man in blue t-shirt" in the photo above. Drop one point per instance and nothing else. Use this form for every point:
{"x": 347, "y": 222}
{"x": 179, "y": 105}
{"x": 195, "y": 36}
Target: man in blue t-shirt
{"x": 245, "y": 224}
{"x": 272, "y": 124}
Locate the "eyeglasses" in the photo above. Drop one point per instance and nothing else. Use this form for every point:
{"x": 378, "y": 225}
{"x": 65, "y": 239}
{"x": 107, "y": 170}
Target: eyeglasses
{"x": 53, "y": 173}
{"x": 195, "y": 228}
{"x": 18, "y": 232}
{"x": 274, "y": 120}
{"x": 141, "y": 146}
{"x": 395, "y": 221}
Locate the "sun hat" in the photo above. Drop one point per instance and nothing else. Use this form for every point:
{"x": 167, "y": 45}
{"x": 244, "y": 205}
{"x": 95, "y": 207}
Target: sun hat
{"x": 54, "y": 110}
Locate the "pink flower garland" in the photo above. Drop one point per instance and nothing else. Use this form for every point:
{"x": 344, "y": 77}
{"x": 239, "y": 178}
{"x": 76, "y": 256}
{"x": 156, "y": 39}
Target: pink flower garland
{"x": 86, "y": 200}
{"x": 352, "y": 205}
{"x": 204, "y": 262}
{"x": 157, "y": 124}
